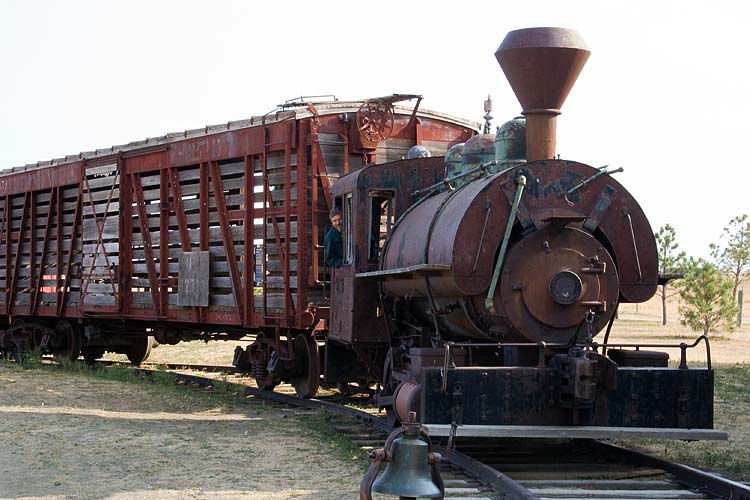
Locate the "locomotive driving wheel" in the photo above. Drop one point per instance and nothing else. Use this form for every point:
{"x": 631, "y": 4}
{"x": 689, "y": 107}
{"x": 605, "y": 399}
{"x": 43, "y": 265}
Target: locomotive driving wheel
{"x": 375, "y": 120}
{"x": 388, "y": 388}
{"x": 307, "y": 380}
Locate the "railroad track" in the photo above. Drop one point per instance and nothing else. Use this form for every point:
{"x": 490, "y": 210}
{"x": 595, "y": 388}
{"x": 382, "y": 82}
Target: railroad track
{"x": 484, "y": 469}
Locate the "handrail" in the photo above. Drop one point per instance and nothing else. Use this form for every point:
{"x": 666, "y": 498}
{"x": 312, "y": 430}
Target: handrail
{"x": 542, "y": 346}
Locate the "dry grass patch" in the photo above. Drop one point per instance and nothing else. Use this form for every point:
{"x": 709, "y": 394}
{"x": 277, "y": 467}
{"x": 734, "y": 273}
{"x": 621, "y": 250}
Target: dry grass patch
{"x": 71, "y": 435}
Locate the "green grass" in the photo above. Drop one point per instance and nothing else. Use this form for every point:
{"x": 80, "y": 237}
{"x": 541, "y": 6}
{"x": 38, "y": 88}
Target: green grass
{"x": 222, "y": 393}
{"x": 731, "y": 414}
{"x": 732, "y": 384}
{"x": 340, "y": 446}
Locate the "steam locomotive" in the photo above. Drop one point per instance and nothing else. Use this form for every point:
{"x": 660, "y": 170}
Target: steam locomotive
{"x": 474, "y": 280}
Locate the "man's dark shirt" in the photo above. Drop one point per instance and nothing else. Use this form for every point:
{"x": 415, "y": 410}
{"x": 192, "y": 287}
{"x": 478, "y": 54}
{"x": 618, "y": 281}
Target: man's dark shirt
{"x": 334, "y": 248}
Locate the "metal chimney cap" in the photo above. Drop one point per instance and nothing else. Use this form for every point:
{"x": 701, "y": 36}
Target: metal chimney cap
{"x": 542, "y": 65}
{"x": 543, "y": 37}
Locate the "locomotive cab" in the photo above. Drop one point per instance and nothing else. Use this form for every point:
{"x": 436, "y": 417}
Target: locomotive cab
{"x": 372, "y": 200}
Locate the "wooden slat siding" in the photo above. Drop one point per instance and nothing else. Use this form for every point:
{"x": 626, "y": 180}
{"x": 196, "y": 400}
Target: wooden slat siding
{"x": 204, "y": 228}
{"x": 147, "y": 243}
{"x": 99, "y": 300}
{"x": 192, "y": 173}
{"x": 67, "y": 194}
{"x": 218, "y": 285}
{"x": 216, "y": 251}
{"x": 182, "y": 225}
{"x": 274, "y": 266}
{"x": 59, "y": 248}
{"x": 100, "y": 206}
{"x": 15, "y": 213}
{"x": 8, "y": 249}
{"x": 191, "y": 189}
{"x": 101, "y": 183}
{"x": 223, "y": 283}
{"x": 281, "y": 248}
{"x": 334, "y": 154}
{"x": 50, "y": 299}
{"x": 317, "y": 254}
{"x": 192, "y": 206}
{"x": 102, "y": 196}
{"x": 100, "y": 289}
{"x": 114, "y": 207}
{"x": 11, "y": 290}
{"x": 249, "y": 271}
{"x": 125, "y": 246}
{"x": 321, "y": 172}
{"x": 276, "y": 301}
{"x": 39, "y": 232}
{"x": 103, "y": 169}
{"x": 227, "y": 235}
{"x": 263, "y": 179}
{"x": 32, "y": 242}
{"x": 273, "y": 161}
{"x": 236, "y": 217}
{"x": 192, "y": 219}
{"x": 44, "y": 257}
{"x": 303, "y": 209}
{"x": 164, "y": 241}
{"x": 63, "y": 295}
{"x": 272, "y": 248}
{"x": 224, "y": 302}
{"x": 214, "y": 234}
{"x": 110, "y": 228}
{"x": 287, "y": 228}
{"x": 392, "y": 149}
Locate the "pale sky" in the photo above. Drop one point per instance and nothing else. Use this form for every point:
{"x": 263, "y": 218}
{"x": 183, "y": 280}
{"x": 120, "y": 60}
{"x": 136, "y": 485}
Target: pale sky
{"x": 663, "y": 95}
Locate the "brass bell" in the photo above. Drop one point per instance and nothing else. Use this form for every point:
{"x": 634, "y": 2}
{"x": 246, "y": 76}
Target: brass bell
{"x": 412, "y": 470}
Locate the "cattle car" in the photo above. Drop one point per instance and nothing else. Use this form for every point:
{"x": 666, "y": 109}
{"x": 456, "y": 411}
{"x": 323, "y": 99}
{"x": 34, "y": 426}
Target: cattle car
{"x": 212, "y": 233}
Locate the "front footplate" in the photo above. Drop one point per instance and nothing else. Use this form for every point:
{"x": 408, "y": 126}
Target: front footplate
{"x": 664, "y": 398}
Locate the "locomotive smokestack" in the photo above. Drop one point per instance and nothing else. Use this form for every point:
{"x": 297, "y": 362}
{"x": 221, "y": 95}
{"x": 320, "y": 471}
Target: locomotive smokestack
{"x": 542, "y": 64}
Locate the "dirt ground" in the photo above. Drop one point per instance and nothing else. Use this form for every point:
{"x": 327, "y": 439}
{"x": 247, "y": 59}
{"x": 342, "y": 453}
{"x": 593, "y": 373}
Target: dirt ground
{"x": 69, "y": 436}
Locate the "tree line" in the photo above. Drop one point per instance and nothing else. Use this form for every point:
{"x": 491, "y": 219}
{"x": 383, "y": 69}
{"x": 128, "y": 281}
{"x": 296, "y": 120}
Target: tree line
{"x": 709, "y": 289}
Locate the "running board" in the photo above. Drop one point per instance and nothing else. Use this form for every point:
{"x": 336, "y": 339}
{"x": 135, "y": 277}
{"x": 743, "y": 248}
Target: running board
{"x": 582, "y": 432}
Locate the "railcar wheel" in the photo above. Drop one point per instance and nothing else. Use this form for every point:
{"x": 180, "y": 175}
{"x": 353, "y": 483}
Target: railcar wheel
{"x": 307, "y": 380}
{"x": 22, "y": 340}
{"x": 22, "y": 346}
{"x": 140, "y": 350}
{"x": 66, "y": 343}
{"x": 266, "y": 384}
{"x": 91, "y": 355}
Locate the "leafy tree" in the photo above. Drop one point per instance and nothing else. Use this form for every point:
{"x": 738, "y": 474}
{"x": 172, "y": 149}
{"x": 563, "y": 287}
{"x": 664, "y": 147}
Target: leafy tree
{"x": 670, "y": 264}
{"x": 733, "y": 254}
{"x": 707, "y": 298}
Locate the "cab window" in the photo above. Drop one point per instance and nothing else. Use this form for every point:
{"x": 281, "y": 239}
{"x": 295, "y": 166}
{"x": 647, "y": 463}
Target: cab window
{"x": 380, "y": 222}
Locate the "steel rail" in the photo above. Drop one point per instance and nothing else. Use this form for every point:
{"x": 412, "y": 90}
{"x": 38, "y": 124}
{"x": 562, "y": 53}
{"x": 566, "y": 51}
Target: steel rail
{"x": 504, "y": 486}
{"x": 704, "y": 481}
